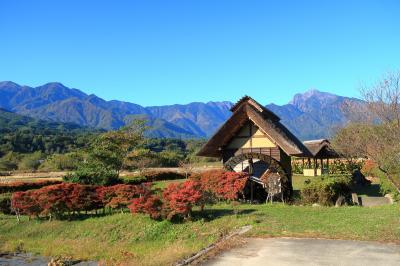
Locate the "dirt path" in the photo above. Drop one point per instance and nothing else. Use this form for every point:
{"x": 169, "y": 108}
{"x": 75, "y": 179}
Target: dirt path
{"x": 293, "y": 251}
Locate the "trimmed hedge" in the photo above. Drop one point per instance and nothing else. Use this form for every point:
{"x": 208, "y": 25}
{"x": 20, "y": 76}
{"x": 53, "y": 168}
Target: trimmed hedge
{"x": 68, "y": 198}
{"x": 325, "y": 190}
{"x": 24, "y": 186}
{"x": 177, "y": 201}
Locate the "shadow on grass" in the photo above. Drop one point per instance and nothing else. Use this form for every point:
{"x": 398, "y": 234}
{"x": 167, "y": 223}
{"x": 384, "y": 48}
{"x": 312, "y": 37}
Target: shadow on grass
{"x": 296, "y": 194}
{"x": 212, "y": 214}
{"x": 372, "y": 190}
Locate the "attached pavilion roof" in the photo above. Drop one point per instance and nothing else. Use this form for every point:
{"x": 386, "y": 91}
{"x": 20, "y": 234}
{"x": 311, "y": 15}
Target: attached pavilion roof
{"x": 248, "y": 109}
{"x": 321, "y": 148}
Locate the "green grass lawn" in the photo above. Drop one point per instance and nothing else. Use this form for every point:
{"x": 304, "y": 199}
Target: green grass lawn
{"x": 298, "y": 181}
{"x": 140, "y": 240}
{"x": 165, "y": 183}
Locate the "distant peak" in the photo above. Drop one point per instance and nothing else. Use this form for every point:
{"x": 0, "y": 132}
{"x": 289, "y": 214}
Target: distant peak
{"x": 54, "y": 85}
{"x": 8, "y": 84}
{"x": 311, "y": 93}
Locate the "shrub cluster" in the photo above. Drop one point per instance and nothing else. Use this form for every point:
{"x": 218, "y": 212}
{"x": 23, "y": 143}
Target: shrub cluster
{"x": 23, "y": 186}
{"x": 178, "y": 199}
{"x": 325, "y": 190}
{"x": 120, "y": 196}
{"x": 223, "y": 185}
{"x": 67, "y": 198}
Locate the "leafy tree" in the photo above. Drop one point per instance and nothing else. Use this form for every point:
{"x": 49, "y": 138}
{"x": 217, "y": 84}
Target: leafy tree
{"x": 31, "y": 161}
{"x": 106, "y": 155}
{"x": 63, "y": 162}
{"x": 377, "y": 137}
{"x": 111, "y": 148}
{"x": 9, "y": 161}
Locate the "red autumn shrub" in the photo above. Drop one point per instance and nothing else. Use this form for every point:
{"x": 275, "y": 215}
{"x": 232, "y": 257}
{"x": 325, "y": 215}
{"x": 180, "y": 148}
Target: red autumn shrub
{"x": 209, "y": 179}
{"x": 120, "y": 196}
{"x": 151, "y": 205}
{"x": 83, "y": 198}
{"x": 231, "y": 185}
{"x": 25, "y": 203}
{"x": 223, "y": 185}
{"x": 56, "y": 200}
{"x": 179, "y": 198}
{"x": 53, "y": 200}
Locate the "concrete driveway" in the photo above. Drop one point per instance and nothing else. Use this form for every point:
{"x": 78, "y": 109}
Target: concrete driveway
{"x": 294, "y": 251}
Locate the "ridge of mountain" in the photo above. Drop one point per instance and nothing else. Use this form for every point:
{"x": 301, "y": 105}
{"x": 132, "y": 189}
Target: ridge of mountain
{"x": 313, "y": 114}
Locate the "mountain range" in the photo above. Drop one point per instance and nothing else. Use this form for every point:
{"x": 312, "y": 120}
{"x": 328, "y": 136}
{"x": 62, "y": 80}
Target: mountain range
{"x": 310, "y": 115}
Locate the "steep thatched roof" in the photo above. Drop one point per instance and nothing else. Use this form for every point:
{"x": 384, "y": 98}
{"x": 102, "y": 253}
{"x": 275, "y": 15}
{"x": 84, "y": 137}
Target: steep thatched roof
{"x": 248, "y": 109}
{"x": 248, "y": 100}
{"x": 321, "y": 148}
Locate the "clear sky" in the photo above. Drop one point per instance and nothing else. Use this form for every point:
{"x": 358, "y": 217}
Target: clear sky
{"x": 164, "y": 52}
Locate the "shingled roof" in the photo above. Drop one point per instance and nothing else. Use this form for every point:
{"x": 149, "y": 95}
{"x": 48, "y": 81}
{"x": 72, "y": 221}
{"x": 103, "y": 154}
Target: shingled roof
{"x": 248, "y": 109}
{"x": 321, "y": 148}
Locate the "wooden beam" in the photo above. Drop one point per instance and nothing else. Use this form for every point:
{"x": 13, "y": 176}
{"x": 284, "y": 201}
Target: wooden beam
{"x": 322, "y": 164}
{"x": 315, "y": 167}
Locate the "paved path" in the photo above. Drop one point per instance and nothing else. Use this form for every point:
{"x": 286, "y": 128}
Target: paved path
{"x": 294, "y": 251}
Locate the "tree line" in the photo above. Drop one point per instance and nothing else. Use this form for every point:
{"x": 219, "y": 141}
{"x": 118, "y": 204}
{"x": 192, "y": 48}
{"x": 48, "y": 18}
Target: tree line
{"x": 28, "y": 144}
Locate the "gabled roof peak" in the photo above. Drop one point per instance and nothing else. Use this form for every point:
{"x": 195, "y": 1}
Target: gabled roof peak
{"x": 256, "y": 105}
{"x": 316, "y": 141}
{"x": 247, "y": 109}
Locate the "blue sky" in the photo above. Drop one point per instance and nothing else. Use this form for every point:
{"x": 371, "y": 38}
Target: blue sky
{"x": 164, "y": 52}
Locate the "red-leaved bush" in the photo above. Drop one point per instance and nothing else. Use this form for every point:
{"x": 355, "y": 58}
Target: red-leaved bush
{"x": 25, "y": 203}
{"x": 179, "y": 198}
{"x": 223, "y": 185}
{"x": 151, "y": 205}
{"x": 120, "y": 196}
{"x": 178, "y": 201}
{"x": 57, "y": 200}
